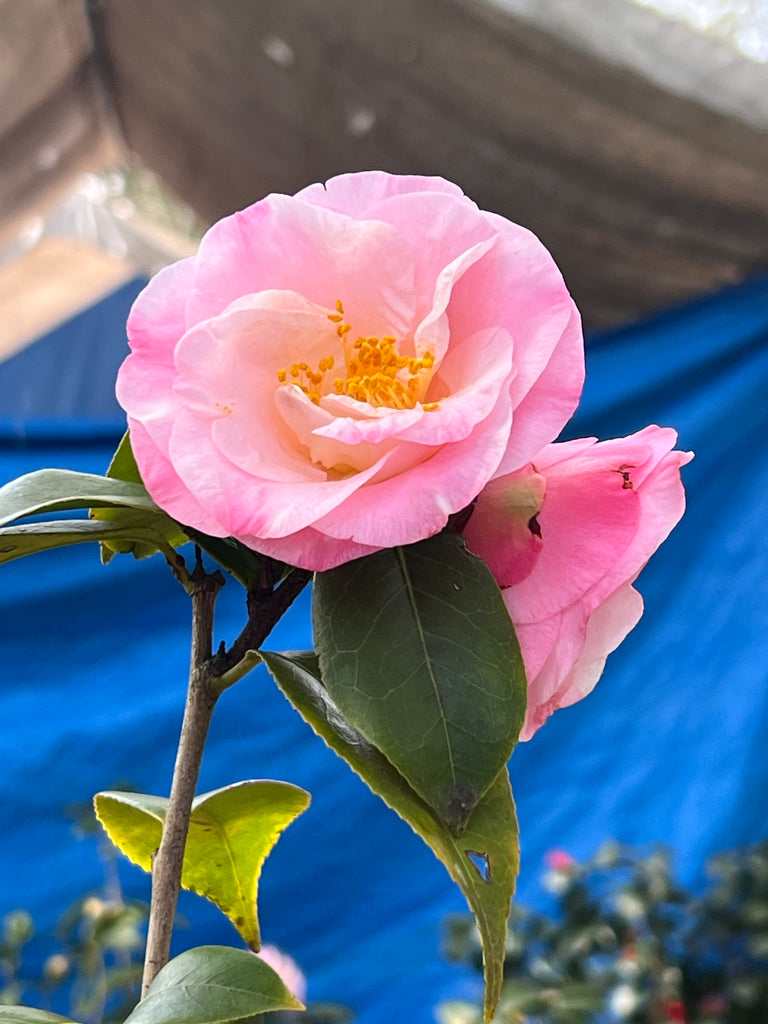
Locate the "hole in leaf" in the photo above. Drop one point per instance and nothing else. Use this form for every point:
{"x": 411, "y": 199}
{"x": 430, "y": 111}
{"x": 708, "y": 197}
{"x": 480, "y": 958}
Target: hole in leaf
{"x": 481, "y": 863}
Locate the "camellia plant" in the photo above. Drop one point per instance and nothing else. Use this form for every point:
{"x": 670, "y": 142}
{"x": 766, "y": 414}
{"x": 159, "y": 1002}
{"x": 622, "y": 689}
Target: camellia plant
{"x": 360, "y": 385}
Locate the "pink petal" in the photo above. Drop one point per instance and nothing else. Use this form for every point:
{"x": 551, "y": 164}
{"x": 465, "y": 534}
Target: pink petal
{"x": 552, "y": 399}
{"x": 606, "y": 507}
{"x": 587, "y": 522}
{"x": 354, "y": 194}
{"x": 158, "y": 316}
{"x": 282, "y": 244}
{"x": 566, "y": 676}
{"x": 504, "y": 529}
{"x": 419, "y": 500}
{"x": 166, "y": 487}
{"x": 309, "y": 548}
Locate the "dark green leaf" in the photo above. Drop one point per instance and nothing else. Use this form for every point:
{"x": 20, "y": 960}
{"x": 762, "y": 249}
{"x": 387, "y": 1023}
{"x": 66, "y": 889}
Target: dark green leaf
{"x": 419, "y": 653}
{"x": 213, "y": 985}
{"x": 484, "y": 861}
{"x": 231, "y": 833}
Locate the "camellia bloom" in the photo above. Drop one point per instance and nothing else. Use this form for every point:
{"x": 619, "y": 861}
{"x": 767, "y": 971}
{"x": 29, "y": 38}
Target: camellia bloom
{"x": 339, "y": 371}
{"x": 565, "y": 537}
{"x": 288, "y": 970}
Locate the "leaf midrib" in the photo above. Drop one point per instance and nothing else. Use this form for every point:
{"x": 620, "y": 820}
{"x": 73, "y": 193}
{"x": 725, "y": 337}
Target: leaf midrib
{"x": 427, "y": 659}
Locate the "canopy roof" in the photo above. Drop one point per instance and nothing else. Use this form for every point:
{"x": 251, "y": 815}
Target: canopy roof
{"x": 644, "y": 195}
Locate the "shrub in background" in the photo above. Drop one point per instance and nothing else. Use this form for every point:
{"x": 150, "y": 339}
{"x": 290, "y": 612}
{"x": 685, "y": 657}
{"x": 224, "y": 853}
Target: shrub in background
{"x": 629, "y": 944}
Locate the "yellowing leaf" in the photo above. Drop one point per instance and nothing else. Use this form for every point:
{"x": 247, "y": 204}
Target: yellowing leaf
{"x": 232, "y": 831}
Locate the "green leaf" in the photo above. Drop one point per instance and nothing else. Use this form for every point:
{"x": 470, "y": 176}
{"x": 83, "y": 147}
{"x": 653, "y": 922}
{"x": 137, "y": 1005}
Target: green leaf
{"x": 418, "y": 652}
{"x": 484, "y": 861}
{"x": 29, "y": 1015}
{"x": 213, "y": 985}
{"x": 54, "y": 490}
{"x": 236, "y": 558}
{"x": 123, "y": 467}
{"x": 232, "y": 831}
{"x": 28, "y": 539}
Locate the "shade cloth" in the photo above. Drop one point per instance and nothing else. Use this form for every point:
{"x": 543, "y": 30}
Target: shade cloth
{"x": 670, "y": 747}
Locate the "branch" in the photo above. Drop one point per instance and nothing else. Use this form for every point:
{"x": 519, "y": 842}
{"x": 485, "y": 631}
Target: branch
{"x": 201, "y": 699}
{"x": 208, "y": 676}
{"x": 265, "y": 608}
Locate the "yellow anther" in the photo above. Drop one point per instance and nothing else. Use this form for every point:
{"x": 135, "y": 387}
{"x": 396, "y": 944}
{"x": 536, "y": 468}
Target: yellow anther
{"x": 378, "y": 374}
{"x": 430, "y": 406}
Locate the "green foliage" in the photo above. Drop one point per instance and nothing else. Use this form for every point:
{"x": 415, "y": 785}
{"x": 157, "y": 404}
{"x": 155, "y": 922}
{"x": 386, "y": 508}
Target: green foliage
{"x": 630, "y": 944}
{"x": 419, "y": 654}
{"x": 97, "y": 964}
{"x": 137, "y": 523}
{"x": 123, "y": 467}
{"x": 232, "y": 831}
{"x": 245, "y": 565}
{"x": 29, "y": 1015}
{"x": 213, "y": 985}
{"x": 483, "y": 861}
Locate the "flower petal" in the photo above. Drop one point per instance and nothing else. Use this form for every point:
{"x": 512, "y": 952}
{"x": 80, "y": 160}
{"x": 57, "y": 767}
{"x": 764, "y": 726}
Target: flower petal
{"x": 354, "y": 194}
{"x": 283, "y": 244}
{"x": 576, "y": 659}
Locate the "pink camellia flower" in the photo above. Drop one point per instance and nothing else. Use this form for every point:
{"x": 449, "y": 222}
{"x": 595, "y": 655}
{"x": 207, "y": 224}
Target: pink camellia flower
{"x": 565, "y": 537}
{"x": 559, "y": 860}
{"x": 339, "y": 371}
{"x": 286, "y": 968}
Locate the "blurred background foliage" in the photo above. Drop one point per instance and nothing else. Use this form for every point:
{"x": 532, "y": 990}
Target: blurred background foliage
{"x": 621, "y": 941}
{"x": 625, "y": 942}
{"x": 92, "y": 967}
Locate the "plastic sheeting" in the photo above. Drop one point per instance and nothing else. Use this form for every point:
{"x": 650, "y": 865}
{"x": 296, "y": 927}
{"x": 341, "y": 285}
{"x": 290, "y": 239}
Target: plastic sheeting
{"x": 670, "y": 747}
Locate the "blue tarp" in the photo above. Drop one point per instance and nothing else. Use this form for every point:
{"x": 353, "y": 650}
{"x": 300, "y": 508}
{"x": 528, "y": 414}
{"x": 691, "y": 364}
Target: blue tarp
{"x": 670, "y": 747}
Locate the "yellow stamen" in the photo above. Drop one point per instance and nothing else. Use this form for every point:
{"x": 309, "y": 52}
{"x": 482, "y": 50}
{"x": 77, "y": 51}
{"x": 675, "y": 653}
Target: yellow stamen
{"x": 377, "y": 375}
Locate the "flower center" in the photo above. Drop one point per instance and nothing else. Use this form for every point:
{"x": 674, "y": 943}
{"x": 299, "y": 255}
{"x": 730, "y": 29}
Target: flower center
{"x": 376, "y": 372}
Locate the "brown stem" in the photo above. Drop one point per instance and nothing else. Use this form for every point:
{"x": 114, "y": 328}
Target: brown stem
{"x": 265, "y": 608}
{"x": 201, "y": 699}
